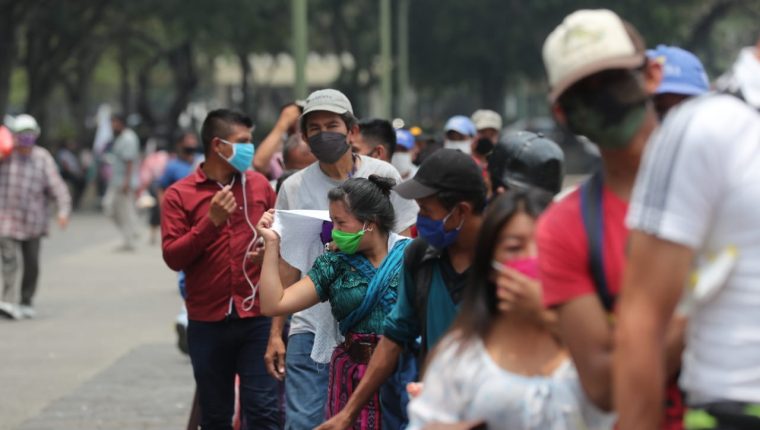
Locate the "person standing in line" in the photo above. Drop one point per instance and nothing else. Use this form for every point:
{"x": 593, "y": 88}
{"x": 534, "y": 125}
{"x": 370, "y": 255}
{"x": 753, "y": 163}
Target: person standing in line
{"x": 28, "y": 177}
{"x": 119, "y": 201}
{"x": 207, "y": 227}
{"x": 693, "y": 220}
{"x": 376, "y": 139}
{"x": 451, "y": 194}
{"x": 188, "y": 157}
{"x": 329, "y": 126}
{"x": 500, "y": 364}
{"x": 601, "y": 87}
{"x": 360, "y": 280}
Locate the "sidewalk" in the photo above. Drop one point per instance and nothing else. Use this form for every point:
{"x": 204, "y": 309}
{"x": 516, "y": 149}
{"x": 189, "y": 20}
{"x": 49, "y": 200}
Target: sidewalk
{"x": 101, "y": 352}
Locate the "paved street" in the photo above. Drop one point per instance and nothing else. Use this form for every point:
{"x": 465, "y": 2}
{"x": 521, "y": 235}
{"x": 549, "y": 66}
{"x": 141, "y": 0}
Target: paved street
{"x": 101, "y": 354}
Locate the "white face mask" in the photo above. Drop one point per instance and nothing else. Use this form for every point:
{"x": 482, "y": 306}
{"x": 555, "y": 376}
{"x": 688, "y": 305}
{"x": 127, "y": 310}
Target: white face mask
{"x": 402, "y": 161}
{"x": 462, "y": 145}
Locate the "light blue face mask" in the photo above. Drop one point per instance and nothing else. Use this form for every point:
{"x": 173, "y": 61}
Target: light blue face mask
{"x": 242, "y": 155}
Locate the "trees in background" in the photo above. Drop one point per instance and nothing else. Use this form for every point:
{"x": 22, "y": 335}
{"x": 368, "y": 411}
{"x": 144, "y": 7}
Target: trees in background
{"x": 161, "y": 53}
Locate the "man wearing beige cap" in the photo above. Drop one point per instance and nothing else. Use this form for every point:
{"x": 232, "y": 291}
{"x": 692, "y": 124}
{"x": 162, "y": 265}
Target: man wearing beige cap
{"x": 487, "y": 126}
{"x": 600, "y": 87}
{"x": 328, "y": 125}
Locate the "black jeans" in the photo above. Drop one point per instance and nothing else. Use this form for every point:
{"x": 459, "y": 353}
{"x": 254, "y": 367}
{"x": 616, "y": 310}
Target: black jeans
{"x": 219, "y": 351}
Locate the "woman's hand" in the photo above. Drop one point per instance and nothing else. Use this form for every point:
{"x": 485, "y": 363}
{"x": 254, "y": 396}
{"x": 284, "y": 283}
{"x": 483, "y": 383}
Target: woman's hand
{"x": 414, "y": 389}
{"x": 264, "y": 227}
{"x": 517, "y": 292}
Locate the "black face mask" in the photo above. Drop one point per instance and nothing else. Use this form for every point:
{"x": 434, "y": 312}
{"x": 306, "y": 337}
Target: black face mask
{"x": 328, "y": 146}
{"x": 484, "y": 146}
{"x": 188, "y": 151}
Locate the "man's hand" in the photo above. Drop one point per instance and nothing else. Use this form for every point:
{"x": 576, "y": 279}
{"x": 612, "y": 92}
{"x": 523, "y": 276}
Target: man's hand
{"x": 63, "y": 221}
{"x": 339, "y": 421}
{"x": 274, "y": 357}
{"x": 256, "y": 256}
{"x": 288, "y": 116}
{"x": 223, "y": 204}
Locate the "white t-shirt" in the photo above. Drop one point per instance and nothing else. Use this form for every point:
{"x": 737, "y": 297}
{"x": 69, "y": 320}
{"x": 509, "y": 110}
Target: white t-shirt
{"x": 699, "y": 186}
{"x": 467, "y": 385}
{"x": 307, "y": 189}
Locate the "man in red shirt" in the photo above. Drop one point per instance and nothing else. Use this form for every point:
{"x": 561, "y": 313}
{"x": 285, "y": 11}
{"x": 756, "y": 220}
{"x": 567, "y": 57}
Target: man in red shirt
{"x": 601, "y": 87}
{"x": 207, "y": 231}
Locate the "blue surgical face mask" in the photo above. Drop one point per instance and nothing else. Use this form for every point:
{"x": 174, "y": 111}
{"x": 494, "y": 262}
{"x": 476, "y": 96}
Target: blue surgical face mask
{"x": 242, "y": 155}
{"x": 434, "y": 232}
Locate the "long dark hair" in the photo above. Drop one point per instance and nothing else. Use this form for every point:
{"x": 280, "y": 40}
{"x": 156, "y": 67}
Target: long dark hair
{"x": 479, "y": 305}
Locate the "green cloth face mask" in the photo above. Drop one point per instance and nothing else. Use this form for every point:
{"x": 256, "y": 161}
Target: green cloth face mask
{"x": 609, "y": 112}
{"x": 600, "y": 129}
{"x": 348, "y": 242}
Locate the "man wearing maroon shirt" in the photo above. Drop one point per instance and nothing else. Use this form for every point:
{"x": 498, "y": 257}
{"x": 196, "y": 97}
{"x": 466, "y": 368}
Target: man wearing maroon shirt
{"x": 207, "y": 232}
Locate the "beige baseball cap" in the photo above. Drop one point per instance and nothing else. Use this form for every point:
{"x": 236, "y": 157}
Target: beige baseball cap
{"x": 328, "y": 100}
{"x": 587, "y": 42}
{"x": 484, "y": 118}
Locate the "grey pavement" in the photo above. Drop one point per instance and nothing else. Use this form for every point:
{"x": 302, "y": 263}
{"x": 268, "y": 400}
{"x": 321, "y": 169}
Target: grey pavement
{"x": 101, "y": 353}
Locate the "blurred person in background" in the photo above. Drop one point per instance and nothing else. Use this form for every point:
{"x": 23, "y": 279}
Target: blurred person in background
{"x": 119, "y": 201}
{"x": 376, "y": 139}
{"x": 683, "y": 76}
{"x": 188, "y": 156}
{"x": 459, "y": 132}
{"x": 296, "y": 155}
{"x": 403, "y": 155}
{"x": 488, "y": 129}
{"x": 28, "y": 178}
{"x": 72, "y": 170}
{"x": 524, "y": 159}
{"x": 151, "y": 169}
{"x": 269, "y": 153}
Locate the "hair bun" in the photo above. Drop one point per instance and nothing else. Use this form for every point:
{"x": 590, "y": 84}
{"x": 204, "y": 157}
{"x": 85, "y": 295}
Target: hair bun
{"x": 385, "y": 184}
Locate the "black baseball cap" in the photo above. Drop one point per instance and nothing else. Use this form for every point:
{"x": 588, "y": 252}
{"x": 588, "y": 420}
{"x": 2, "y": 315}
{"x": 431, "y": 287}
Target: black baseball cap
{"x": 444, "y": 170}
{"x": 524, "y": 159}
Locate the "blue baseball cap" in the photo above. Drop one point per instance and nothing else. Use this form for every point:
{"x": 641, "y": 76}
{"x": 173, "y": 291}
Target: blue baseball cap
{"x": 461, "y": 124}
{"x": 683, "y": 73}
{"x": 404, "y": 138}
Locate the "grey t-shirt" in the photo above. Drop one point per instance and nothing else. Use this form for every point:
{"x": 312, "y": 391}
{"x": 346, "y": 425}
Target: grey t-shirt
{"x": 126, "y": 147}
{"x": 308, "y": 188}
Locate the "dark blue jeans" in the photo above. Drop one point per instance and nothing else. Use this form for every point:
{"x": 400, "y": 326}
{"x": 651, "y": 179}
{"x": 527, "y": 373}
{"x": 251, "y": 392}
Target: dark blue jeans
{"x": 305, "y": 384}
{"x": 219, "y": 351}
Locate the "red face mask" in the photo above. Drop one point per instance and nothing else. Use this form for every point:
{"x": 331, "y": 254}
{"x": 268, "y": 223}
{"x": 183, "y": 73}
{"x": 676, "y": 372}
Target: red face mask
{"x": 526, "y": 266}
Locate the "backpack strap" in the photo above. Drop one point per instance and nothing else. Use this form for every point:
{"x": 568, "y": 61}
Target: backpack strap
{"x": 422, "y": 275}
{"x": 592, "y": 210}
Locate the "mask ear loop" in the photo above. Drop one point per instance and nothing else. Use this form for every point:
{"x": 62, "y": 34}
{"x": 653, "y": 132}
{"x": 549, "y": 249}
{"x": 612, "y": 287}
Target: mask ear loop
{"x": 249, "y": 301}
{"x": 446, "y": 218}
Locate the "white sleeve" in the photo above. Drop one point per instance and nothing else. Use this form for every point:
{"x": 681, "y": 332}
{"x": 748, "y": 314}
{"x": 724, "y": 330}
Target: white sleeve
{"x": 687, "y": 167}
{"x": 443, "y": 398}
{"x": 406, "y": 211}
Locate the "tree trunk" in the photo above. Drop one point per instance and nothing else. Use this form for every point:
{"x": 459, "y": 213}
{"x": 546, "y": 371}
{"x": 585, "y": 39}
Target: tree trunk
{"x": 7, "y": 57}
{"x": 144, "y": 109}
{"x": 125, "y": 91}
{"x": 185, "y": 82}
{"x": 245, "y": 80}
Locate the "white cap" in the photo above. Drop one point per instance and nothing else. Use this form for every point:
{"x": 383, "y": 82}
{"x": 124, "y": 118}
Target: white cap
{"x": 484, "y": 118}
{"x": 328, "y": 100}
{"x": 24, "y": 122}
{"x": 587, "y": 42}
